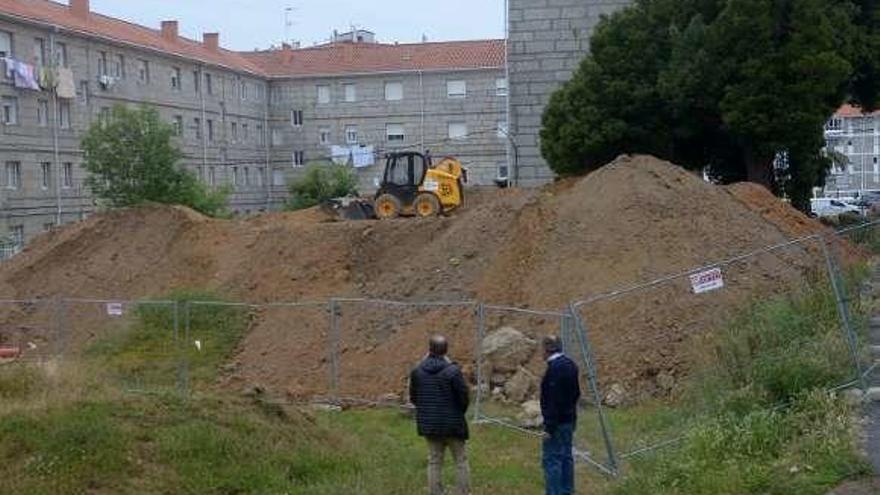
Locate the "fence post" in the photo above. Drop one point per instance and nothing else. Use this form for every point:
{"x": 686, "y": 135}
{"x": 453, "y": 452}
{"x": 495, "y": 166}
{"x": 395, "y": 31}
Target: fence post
{"x": 333, "y": 345}
{"x": 583, "y": 339}
{"x": 183, "y": 356}
{"x": 843, "y": 311}
{"x": 478, "y": 358}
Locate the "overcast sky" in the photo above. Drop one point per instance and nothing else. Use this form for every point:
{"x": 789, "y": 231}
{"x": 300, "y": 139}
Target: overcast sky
{"x": 249, "y": 24}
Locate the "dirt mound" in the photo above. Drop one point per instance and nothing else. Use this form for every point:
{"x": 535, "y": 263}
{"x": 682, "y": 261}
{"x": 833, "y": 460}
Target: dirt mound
{"x": 634, "y": 220}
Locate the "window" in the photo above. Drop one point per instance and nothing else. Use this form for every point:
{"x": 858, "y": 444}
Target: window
{"x": 104, "y": 116}
{"x": 39, "y": 51}
{"x": 247, "y": 176}
{"x": 119, "y": 67}
{"x": 43, "y": 113}
{"x": 45, "y": 175}
{"x": 17, "y": 233}
{"x": 261, "y": 136}
{"x": 503, "y": 172}
{"x": 351, "y": 134}
{"x": 234, "y": 176}
{"x": 324, "y": 135}
{"x": 323, "y": 94}
{"x": 143, "y": 71}
{"x": 197, "y": 123}
{"x": 197, "y": 82}
{"x": 395, "y": 133}
{"x": 210, "y": 130}
{"x": 67, "y": 173}
{"x": 212, "y": 176}
{"x": 175, "y": 78}
{"x": 276, "y": 137}
{"x": 296, "y": 118}
{"x": 13, "y": 175}
{"x": 244, "y": 90}
{"x": 502, "y": 129}
{"x": 501, "y": 86}
{"x": 456, "y": 89}
{"x": 261, "y": 177}
{"x": 234, "y": 132}
{"x": 277, "y": 177}
{"x": 178, "y": 125}
{"x": 102, "y": 64}
{"x": 64, "y": 114}
{"x": 9, "y": 107}
{"x": 209, "y": 84}
{"x": 48, "y": 226}
{"x": 393, "y": 91}
{"x": 5, "y": 44}
{"x": 299, "y": 158}
{"x": 84, "y": 93}
{"x": 458, "y": 130}
{"x": 245, "y": 133}
{"x": 60, "y": 54}
{"x": 350, "y": 92}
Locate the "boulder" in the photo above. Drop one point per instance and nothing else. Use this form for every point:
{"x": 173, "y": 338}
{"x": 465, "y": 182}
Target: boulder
{"x": 506, "y": 349}
{"x": 666, "y": 382}
{"x": 616, "y": 396}
{"x": 530, "y": 416}
{"x": 521, "y": 387}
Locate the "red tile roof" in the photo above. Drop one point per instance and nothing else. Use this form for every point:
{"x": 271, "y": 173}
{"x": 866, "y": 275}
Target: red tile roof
{"x": 331, "y": 59}
{"x": 45, "y": 11}
{"x": 359, "y": 58}
{"x": 853, "y": 111}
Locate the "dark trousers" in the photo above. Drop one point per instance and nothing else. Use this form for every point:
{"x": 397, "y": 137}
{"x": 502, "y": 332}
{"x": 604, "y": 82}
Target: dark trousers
{"x": 558, "y": 461}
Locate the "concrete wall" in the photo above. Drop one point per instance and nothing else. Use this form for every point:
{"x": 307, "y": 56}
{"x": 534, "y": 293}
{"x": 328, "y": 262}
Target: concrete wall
{"x": 547, "y": 41}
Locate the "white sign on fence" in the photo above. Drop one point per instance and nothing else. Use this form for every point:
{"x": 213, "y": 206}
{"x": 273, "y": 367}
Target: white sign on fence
{"x": 707, "y": 281}
{"x": 114, "y": 309}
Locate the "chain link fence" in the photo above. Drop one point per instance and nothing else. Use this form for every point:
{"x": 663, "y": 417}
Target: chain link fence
{"x": 654, "y": 357}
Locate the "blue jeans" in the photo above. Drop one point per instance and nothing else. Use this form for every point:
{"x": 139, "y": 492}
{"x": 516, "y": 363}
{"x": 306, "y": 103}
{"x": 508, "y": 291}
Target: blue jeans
{"x": 558, "y": 461}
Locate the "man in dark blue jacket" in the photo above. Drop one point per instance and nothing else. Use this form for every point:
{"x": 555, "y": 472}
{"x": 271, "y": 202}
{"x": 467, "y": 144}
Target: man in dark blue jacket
{"x": 560, "y": 391}
{"x": 438, "y": 390}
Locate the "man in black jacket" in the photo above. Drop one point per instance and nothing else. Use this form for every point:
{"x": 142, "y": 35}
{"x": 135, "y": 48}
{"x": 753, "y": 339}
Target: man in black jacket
{"x": 560, "y": 391}
{"x": 438, "y": 390}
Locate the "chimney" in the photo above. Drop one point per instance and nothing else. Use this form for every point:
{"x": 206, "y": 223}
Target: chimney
{"x": 79, "y": 8}
{"x": 169, "y": 30}
{"x": 211, "y": 40}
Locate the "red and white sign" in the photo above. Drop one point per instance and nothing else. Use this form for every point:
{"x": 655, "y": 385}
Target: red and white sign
{"x": 707, "y": 281}
{"x": 114, "y": 309}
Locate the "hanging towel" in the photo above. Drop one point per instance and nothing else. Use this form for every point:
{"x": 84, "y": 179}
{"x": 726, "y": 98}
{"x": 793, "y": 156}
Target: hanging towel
{"x": 363, "y": 156}
{"x": 25, "y": 75}
{"x": 341, "y": 155}
{"x": 48, "y": 78}
{"x": 66, "y": 87}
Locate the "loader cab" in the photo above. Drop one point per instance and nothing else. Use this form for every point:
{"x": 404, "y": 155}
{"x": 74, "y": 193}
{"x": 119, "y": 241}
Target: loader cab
{"x": 404, "y": 174}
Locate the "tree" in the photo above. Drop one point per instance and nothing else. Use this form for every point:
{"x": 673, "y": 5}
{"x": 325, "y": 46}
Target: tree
{"x": 131, "y": 159}
{"x": 728, "y": 85}
{"x": 321, "y": 182}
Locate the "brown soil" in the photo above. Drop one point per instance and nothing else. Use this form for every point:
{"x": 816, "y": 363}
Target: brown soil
{"x": 635, "y": 220}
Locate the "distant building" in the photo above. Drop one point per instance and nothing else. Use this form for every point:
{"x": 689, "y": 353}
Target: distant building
{"x": 854, "y": 137}
{"x": 249, "y": 120}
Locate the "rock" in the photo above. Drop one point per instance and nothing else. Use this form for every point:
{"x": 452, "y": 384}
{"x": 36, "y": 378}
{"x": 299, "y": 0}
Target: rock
{"x": 326, "y": 408}
{"x": 506, "y": 349}
{"x": 497, "y": 380}
{"x": 873, "y": 394}
{"x": 666, "y": 382}
{"x": 853, "y": 396}
{"x": 497, "y": 392}
{"x": 390, "y": 399}
{"x": 530, "y": 416}
{"x": 521, "y": 387}
{"x": 616, "y": 396}
{"x": 253, "y": 391}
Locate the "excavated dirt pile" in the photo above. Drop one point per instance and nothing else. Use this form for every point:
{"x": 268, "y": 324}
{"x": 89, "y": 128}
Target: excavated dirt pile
{"x": 635, "y": 220}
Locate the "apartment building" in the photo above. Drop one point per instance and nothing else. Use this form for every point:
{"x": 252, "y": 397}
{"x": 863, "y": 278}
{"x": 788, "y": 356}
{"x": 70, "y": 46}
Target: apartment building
{"x": 855, "y": 138}
{"x": 547, "y": 39}
{"x": 249, "y": 120}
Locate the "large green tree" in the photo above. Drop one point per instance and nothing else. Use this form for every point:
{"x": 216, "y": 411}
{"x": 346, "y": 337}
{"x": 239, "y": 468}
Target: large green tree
{"x": 132, "y": 159}
{"x": 741, "y": 87}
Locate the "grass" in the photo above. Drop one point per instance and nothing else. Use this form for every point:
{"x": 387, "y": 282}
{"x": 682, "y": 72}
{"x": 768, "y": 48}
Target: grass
{"x": 754, "y": 421}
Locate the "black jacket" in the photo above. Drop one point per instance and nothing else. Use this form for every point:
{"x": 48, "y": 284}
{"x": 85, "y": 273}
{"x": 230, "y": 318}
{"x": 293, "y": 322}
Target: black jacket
{"x": 440, "y": 395}
{"x": 560, "y": 391}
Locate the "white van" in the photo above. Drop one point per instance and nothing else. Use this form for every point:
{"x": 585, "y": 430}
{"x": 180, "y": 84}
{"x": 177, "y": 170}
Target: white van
{"x": 829, "y": 207}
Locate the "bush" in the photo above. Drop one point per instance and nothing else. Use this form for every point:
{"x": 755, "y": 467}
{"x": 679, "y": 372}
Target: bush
{"x": 131, "y": 160}
{"x": 320, "y": 183}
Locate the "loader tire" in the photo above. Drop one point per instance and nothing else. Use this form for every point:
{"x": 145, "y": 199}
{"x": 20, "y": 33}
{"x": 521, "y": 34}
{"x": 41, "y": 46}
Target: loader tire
{"x": 387, "y": 207}
{"x": 427, "y": 205}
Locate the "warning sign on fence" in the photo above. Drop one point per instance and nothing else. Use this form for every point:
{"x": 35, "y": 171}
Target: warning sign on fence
{"x": 114, "y": 309}
{"x": 707, "y": 281}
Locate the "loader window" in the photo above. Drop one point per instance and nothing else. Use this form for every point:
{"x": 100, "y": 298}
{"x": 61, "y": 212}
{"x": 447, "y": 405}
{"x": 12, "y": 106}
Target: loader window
{"x": 406, "y": 170}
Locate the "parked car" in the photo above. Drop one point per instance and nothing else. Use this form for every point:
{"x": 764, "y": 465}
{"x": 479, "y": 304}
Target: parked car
{"x": 830, "y": 207}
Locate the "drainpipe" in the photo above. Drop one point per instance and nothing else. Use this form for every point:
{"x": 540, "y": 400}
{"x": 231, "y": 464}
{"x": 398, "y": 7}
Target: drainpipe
{"x": 202, "y": 89}
{"x": 265, "y": 137}
{"x": 513, "y": 165}
{"x": 55, "y": 151}
{"x": 422, "y": 112}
